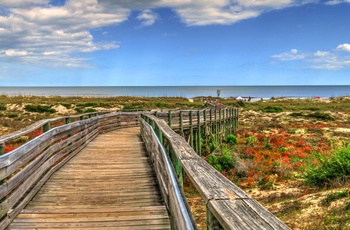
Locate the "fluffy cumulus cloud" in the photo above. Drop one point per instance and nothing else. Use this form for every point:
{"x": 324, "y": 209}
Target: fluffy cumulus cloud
{"x": 53, "y": 35}
{"x": 206, "y": 12}
{"x": 344, "y": 47}
{"x": 329, "y": 60}
{"x": 40, "y": 31}
{"x": 147, "y": 17}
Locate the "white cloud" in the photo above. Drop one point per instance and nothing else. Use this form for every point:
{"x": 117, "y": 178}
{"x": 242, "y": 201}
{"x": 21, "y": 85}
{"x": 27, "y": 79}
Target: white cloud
{"x": 207, "y": 12}
{"x": 321, "y": 54}
{"x": 55, "y": 35}
{"x": 147, "y": 17}
{"x": 22, "y": 3}
{"x": 335, "y": 2}
{"x": 294, "y": 54}
{"x": 330, "y": 60}
{"x": 35, "y": 32}
{"x": 344, "y": 47}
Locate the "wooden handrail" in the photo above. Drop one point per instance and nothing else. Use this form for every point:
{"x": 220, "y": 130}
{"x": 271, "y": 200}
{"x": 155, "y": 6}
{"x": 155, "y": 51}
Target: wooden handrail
{"x": 24, "y": 170}
{"x": 180, "y": 213}
{"x": 228, "y": 206}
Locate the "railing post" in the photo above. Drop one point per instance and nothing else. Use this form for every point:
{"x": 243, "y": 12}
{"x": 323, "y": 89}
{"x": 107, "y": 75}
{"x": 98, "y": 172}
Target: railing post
{"x": 205, "y": 122}
{"x": 224, "y": 117}
{"x": 216, "y": 126}
{"x": 177, "y": 166}
{"x": 220, "y": 125}
{"x": 46, "y": 127}
{"x": 2, "y": 149}
{"x": 199, "y": 133}
{"x": 181, "y": 125}
{"x": 152, "y": 124}
{"x": 160, "y": 135}
{"x": 169, "y": 118}
{"x": 68, "y": 120}
{"x": 191, "y": 130}
{"x": 212, "y": 222}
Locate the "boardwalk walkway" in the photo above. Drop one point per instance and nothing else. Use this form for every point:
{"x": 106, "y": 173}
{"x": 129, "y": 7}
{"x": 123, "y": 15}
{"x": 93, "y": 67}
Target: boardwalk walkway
{"x": 118, "y": 192}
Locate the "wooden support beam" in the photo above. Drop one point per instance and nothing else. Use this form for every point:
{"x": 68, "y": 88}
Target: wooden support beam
{"x": 199, "y": 151}
{"x": 212, "y": 222}
{"x": 191, "y": 130}
{"x": 169, "y": 119}
{"x": 46, "y": 127}
{"x": 2, "y": 149}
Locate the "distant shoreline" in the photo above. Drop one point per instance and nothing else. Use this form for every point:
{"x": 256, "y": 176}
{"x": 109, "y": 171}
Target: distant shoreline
{"x": 265, "y": 92}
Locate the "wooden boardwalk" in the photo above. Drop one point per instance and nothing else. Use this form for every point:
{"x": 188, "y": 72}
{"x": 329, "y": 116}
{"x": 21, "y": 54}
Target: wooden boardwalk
{"x": 118, "y": 192}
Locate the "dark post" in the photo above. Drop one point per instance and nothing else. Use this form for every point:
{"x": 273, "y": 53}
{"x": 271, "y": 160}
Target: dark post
{"x": 46, "y": 127}
{"x": 177, "y": 167}
{"x": 199, "y": 133}
{"x": 181, "y": 125}
{"x": 2, "y": 149}
{"x": 212, "y": 222}
{"x": 191, "y": 130}
{"x": 205, "y": 122}
{"x": 169, "y": 118}
{"x": 68, "y": 120}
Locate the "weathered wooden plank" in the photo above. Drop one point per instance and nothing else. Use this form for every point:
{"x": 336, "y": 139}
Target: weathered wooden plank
{"x": 33, "y": 165}
{"x": 11, "y": 211}
{"x": 179, "y": 211}
{"x": 39, "y": 142}
{"x": 107, "y": 203}
{"x": 231, "y": 206}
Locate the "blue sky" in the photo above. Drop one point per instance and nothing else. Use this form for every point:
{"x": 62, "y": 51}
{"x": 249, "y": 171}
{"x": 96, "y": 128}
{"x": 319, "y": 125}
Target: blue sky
{"x": 174, "y": 42}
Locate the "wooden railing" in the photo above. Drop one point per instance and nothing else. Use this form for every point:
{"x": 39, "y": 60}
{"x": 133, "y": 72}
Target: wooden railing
{"x": 228, "y": 206}
{"x": 24, "y": 170}
{"x": 196, "y": 124}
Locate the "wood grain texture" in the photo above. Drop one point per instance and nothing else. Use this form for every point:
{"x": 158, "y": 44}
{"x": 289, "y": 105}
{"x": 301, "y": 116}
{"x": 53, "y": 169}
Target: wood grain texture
{"x": 230, "y": 205}
{"x": 108, "y": 185}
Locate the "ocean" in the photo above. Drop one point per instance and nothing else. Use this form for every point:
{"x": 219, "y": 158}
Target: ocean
{"x": 183, "y": 91}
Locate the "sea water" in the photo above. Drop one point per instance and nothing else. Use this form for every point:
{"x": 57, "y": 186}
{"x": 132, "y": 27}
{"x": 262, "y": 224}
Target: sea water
{"x": 183, "y": 91}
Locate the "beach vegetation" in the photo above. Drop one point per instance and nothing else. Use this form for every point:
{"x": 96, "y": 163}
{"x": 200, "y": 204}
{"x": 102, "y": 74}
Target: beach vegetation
{"x": 329, "y": 169}
{"x": 231, "y": 139}
{"x": 3, "y": 107}
{"x": 333, "y": 196}
{"x": 90, "y": 110}
{"x": 222, "y": 162}
{"x": 289, "y": 154}
{"x": 12, "y": 115}
{"x": 39, "y": 109}
{"x": 272, "y": 109}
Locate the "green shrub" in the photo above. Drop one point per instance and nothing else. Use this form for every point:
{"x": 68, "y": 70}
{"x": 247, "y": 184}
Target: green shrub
{"x": 231, "y": 139}
{"x": 223, "y": 162}
{"x": 90, "y": 110}
{"x": 92, "y": 104}
{"x": 335, "y": 196}
{"x": 68, "y": 106}
{"x": 79, "y": 110}
{"x": 272, "y": 109}
{"x": 250, "y": 140}
{"x": 209, "y": 144}
{"x": 39, "y": 109}
{"x": 3, "y": 107}
{"x": 12, "y": 115}
{"x": 161, "y": 104}
{"x": 333, "y": 168}
{"x": 297, "y": 114}
{"x": 321, "y": 116}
